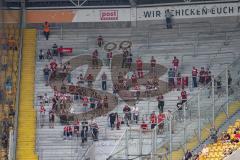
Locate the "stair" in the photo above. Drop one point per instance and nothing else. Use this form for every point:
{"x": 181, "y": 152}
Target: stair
{"x": 27, "y": 117}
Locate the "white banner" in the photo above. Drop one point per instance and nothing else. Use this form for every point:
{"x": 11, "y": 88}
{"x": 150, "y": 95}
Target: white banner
{"x": 156, "y": 13}
{"x": 189, "y": 11}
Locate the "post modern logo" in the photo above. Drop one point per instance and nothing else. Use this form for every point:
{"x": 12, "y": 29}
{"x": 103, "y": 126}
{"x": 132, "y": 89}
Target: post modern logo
{"x": 108, "y": 15}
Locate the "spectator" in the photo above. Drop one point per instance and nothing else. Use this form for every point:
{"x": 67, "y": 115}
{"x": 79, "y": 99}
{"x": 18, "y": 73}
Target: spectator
{"x": 41, "y": 55}
{"x": 194, "y": 77}
{"x": 180, "y": 110}
{"x": 112, "y": 118}
{"x": 213, "y": 134}
{"x": 119, "y": 120}
{"x": 135, "y": 113}
{"x": 69, "y": 69}
{"x": 168, "y": 16}
{"x": 100, "y": 41}
{"x": 138, "y": 92}
{"x": 171, "y": 76}
{"x": 104, "y": 81}
{"x": 65, "y": 132}
{"x": 94, "y": 129}
{"x": 70, "y": 131}
{"x": 109, "y": 59}
{"x": 46, "y": 30}
{"x": 153, "y": 120}
{"x": 160, "y": 100}
{"x": 85, "y": 102}
{"x": 175, "y": 63}
{"x": 53, "y": 67}
{"x": 8, "y": 85}
{"x": 12, "y": 43}
{"x": 92, "y": 102}
{"x": 139, "y": 67}
{"x": 89, "y": 80}
{"x": 188, "y": 155}
{"x": 95, "y": 59}
{"x": 42, "y": 114}
{"x": 201, "y": 76}
{"x": 129, "y": 60}
{"x": 55, "y": 49}
{"x": 45, "y": 98}
{"x": 184, "y": 96}
{"x": 105, "y": 102}
{"x": 49, "y": 54}
{"x": 124, "y": 58}
{"x": 144, "y": 125}
{"x": 46, "y": 73}
{"x": 161, "y": 118}
{"x": 1, "y": 94}
{"x": 84, "y": 135}
{"x": 134, "y": 79}
{"x": 219, "y": 86}
{"x": 153, "y": 64}
{"x": 76, "y": 127}
{"x": 127, "y": 114}
{"x": 85, "y": 124}
{"x": 51, "y": 119}
{"x": 179, "y": 81}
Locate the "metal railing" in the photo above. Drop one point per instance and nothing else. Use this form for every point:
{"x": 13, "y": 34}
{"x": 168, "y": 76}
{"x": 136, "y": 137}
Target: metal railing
{"x": 210, "y": 101}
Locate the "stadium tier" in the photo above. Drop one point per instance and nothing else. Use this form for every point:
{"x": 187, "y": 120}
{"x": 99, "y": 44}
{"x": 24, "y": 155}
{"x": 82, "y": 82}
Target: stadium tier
{"x": 119, "y": 80}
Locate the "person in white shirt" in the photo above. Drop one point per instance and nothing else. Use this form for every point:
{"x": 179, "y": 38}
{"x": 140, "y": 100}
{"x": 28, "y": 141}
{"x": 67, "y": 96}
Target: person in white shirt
{"x": 135, "y": 113}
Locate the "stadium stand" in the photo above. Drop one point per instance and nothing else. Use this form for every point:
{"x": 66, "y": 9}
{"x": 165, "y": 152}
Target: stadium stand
{"x": 227, "y": 143}
{"x": 65, "y": 112}
{"x": 8, "y": 82}
{"x": 85, "y": 42}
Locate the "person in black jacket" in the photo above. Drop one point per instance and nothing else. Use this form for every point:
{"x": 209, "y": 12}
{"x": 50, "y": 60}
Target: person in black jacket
{"x": 112, "y": 118}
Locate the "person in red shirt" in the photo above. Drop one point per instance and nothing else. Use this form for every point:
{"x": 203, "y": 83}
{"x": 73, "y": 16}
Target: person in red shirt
{"x": 134, "y": 79}
{"x": 139, "y": 67}
{"x": 42, "y": 111}
{"x": 184, "y": 81}
{"x": 53, "y": 65}
{"x": 194, "y": 76}
{"x": 153, "y": 120}
{"x": 153, "y": 64}
{"x": 175, "y": 63}
{"x": 90, "y": 80}
{"x": 95, "y": 59}
{"x": 65, "y": 132}
{"x": 100, "y": 41}
{"x": 144, "y": 125}
{"x": 85, "y": 102}
{"x": 161, "y": 117}
{"x": 183, "y": 96}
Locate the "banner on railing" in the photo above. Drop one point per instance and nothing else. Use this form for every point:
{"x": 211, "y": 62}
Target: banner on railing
{"x": 133, "y": 14}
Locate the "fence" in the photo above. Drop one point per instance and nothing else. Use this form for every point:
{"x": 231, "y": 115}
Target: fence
{"x": 198, "y": 113}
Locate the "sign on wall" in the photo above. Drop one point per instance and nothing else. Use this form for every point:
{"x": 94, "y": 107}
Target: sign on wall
{"x": 133, "y": 14}
{"x": 102, "y": 15}
{"x": 189, "y": 11}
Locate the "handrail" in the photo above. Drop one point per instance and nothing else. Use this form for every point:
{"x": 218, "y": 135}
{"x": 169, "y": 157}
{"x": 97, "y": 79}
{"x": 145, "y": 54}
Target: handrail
{"x": 18, "y": 86}
{"x": 111, "y": 154}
